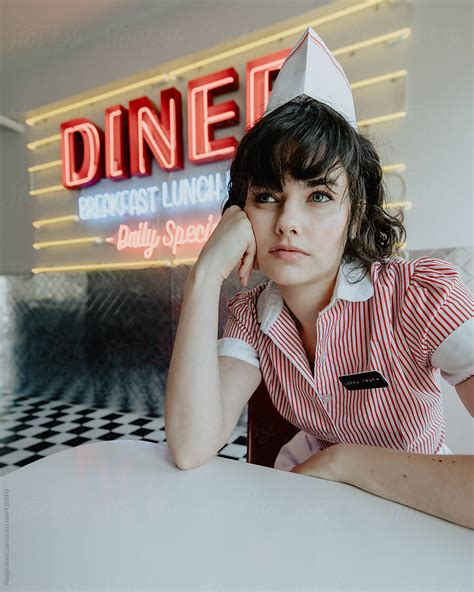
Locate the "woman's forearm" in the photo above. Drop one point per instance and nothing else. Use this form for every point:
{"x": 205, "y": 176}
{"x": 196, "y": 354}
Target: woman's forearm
{"x": 441, "y": 485}
{"x": 194, "y": 413}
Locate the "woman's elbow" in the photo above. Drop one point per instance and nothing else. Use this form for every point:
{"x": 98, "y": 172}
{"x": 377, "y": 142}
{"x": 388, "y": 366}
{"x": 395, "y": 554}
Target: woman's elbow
{"x": 190, "y": 463}
{"x": 465, "y": 391}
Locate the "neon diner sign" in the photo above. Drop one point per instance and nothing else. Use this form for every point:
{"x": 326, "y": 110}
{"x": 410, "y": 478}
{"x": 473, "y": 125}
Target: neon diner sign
{"x": 148, "y": 238}
{"x": 133, "y": 136}
{"x": 145, "y": 201}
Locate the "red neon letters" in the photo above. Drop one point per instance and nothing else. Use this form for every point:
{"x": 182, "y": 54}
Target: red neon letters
{"x": 261, "y": 74}
{"x": 173, "y": 237}
{"x": 81, "y": 151}
{"x": 116, "y": 151}
{"x": 204, "y": 116}
{"x": 134, "y": 136}
{"x": 151, "y": 134}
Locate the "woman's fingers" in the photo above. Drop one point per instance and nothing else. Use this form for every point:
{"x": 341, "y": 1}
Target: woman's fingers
{"x": 247, "y": 264}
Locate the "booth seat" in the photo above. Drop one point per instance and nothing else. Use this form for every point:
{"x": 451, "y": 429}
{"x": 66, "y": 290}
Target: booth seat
{"x": 267, "y": 430}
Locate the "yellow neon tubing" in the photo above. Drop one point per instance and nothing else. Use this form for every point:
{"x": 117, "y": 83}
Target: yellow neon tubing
{"x": 274, "y": 37}
{"x": 223, "y": 55}
{"x": 36, "y": 144}
{"x": 378, "y": 79}
{"x": 381, "y": 118}
{"x": 95, "y": 239}
{"x": 400, "y": 34}
{"x": 406, "y": 205}
{"x": 105, "y": 95}
{"x": 47, "y": 221}
{"x": 394, "y": 168}
{"x": 110, "y": 266}
{"x": 134, "y": 265}
{"x": 388, "y": 168}
{"x": 67, "y": 242}
{"x": 354, "y": 86}
{"x": 46, "y": 165}
{"x": 361, "y": 123}
{"x": 52, "y": 189}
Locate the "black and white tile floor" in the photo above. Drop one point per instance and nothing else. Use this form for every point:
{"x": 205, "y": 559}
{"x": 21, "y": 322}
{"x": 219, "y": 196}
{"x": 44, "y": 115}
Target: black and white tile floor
{"x": 32, "y": 428}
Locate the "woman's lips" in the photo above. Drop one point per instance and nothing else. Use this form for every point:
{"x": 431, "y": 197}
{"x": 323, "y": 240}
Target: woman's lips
{"x": 290, "y": 256}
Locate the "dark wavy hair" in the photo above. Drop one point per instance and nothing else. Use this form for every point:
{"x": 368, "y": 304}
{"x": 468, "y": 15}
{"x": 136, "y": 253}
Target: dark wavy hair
{"x": 305, "y": 139}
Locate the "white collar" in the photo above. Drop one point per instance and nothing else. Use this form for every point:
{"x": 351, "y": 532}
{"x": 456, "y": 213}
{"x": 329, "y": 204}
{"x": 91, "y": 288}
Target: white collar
{"x": 270, "y": 301}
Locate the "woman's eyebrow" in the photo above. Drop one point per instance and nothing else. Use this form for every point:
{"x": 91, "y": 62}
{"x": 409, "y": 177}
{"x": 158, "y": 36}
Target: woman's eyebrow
{"x": 329, "y": 182}
{"x": 320, "y": 181}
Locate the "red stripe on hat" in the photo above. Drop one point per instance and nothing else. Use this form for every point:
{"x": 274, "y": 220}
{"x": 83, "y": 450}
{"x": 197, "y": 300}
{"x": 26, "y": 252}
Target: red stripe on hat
{"x": 324, "y": 48}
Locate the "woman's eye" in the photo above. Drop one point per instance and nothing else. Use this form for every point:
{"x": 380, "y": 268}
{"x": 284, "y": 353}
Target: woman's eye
{"x": 260, "y": 198}
{"x": 319, "y": 197}
{"x": 323, "y": 195}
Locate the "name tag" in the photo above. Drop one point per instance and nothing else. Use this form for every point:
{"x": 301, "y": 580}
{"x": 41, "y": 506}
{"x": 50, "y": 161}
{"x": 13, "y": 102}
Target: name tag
{"x": 363, "y": 380}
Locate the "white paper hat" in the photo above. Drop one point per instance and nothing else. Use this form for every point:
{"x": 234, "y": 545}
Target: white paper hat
{"x": 310, "y": 69}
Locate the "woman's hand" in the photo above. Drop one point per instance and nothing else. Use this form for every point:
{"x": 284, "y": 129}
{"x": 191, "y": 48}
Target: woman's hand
{"x": 323, "y": 464}
{"x": 232, "y": 243}
{"x": 440, "y": 485}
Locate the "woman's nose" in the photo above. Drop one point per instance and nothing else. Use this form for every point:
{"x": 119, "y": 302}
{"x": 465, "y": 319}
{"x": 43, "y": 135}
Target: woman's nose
{"x": 289, "y": 221}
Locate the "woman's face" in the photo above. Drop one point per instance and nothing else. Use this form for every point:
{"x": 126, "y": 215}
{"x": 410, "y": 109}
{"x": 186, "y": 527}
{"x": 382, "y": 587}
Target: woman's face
{"x": 308, "y": 215}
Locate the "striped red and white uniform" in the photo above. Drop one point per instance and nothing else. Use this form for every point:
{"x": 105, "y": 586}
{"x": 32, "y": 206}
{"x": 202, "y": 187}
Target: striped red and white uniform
{"x": 409, "y": 320}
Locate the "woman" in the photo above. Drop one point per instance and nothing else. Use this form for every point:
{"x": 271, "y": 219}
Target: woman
{"x": 343, "y": 305}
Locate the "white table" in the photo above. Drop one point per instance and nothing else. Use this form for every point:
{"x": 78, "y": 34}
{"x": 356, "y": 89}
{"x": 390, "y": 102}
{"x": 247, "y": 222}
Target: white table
{"x": 121, "y": 516}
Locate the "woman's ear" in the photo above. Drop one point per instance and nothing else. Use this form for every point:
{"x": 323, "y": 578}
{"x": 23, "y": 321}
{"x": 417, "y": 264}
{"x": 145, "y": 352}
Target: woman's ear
{"x": 350, "y": 229}
{"x": 357, "y": 221}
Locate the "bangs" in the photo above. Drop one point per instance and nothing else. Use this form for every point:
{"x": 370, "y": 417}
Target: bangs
{"x": 305, "y": 145}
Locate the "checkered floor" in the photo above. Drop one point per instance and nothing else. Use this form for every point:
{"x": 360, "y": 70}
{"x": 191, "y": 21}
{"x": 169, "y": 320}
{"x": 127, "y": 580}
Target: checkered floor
{"x": 32, "y": 428}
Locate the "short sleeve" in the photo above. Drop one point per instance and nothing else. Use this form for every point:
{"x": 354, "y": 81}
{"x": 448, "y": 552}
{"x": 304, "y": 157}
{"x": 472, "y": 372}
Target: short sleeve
{"x": 437, "y": 319}
{"x": 239, "y": 339}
